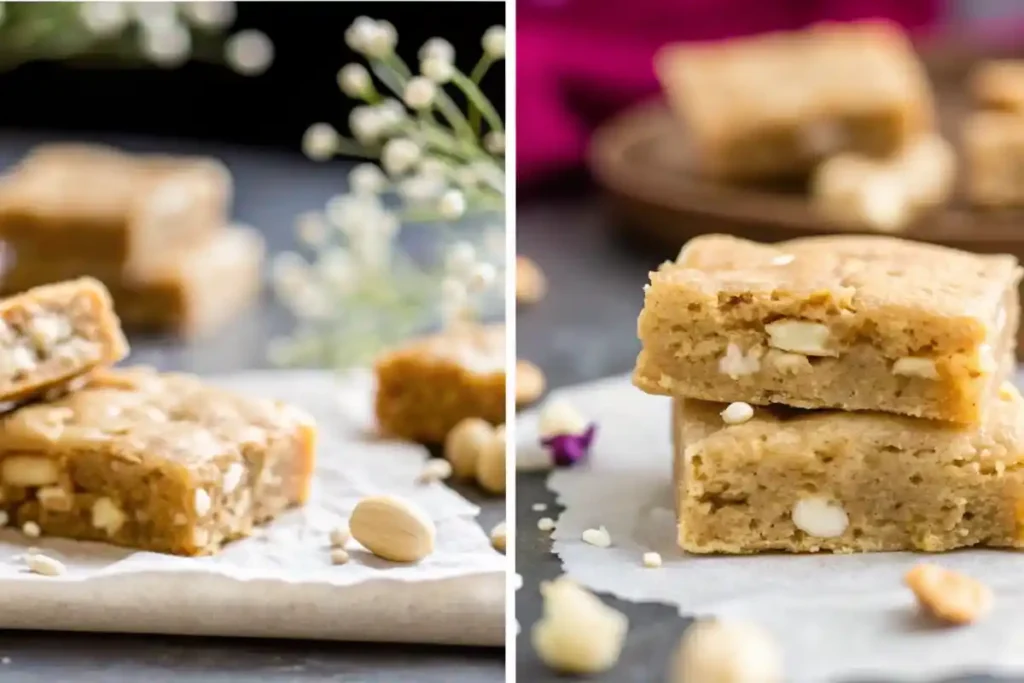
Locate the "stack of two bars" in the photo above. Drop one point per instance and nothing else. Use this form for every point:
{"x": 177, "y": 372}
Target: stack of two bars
{"x": 152, "y": 228}
{"x": 866, "y": 377}
{"x": 132, "y": 457}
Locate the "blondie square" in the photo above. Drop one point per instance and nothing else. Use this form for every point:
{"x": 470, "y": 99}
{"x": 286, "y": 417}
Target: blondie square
{"x": 777, "y": 104}
{"x": 857, "y": 323}
{"x": 94, "y": 202}
{"x": 427, "y": 387}
{"x": 993, "y": 149}
{"x": 999, "y": 84}
{"x": 809, "y": 481}
{"x": 52, "y": 337}
{"x": 153, "y": 461}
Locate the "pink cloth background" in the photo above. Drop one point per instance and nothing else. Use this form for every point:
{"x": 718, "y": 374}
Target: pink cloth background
{"x": 578, "y": 61}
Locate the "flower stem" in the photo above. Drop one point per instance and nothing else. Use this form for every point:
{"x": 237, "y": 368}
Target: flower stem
{"x": 478, "y": 102}
{"x": 476, "y": 76}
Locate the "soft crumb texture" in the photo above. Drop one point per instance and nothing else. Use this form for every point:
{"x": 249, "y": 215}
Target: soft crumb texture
{"x": 427, "y": 387}
{"x": 812, "y": 481}
{"x": 742, "y": 126}
{"x": 154, "y": 461}
{"x": 998, "y": 84}
{"x": 948, "y": 596}
{"x": 827, "y": 329}
{"x": 652, "y": 560}
{"x": 993, "y": 150}
{"x": 531, "y": 284}
{"x": 530, "y": 383}
{"x": 577, "y": 633}
{"x": 727, "y": 652}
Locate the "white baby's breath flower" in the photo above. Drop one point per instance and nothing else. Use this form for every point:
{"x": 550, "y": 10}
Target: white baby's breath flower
{"x": 360, "y": 33}
{"x": 354, "y": 80}
{"x": 214, "y": 15}
{"x": 167, "y": 45}
{"x": 366, "y": 124}
{"x": 494, "y": 42}
{"x": 460, "y": 260}
{"x": 437, "y": 70}
{"x": 421, "y": 188}
{"x": 353, "y": 212}
{"x": 371, "y": 249}
{"x": 289, "y": 272}
{"x": 399, "y": 155}
{"x": 389, "y": 223}
{"x": 154, "y": 15}
{"x": 454, "y": 295}
{"x": 482, "y": 277}
{"x": 433, "y": 167}
{"x": 381, "y": 41}
{"x": 494, "y": 142}
{"x": 452, "y": 205}
{"x": 466, "y": 176}
{"x": 437, "y": 48}
{"x": 338, "y": 269}
{"x": 392, "y": 115}
{"x": 312, "y": 229}
{"x": 249, "y": 52}
{"x": 367, "y": 179}
{"x": 419, "y": 93}
{"x": 320, "y": 142}
{"x": 103, "y": 19}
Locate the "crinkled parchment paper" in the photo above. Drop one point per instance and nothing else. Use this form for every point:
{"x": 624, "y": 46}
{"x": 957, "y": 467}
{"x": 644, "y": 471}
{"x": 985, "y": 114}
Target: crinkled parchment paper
{"x": 281, "y": 584}
{"x": 837, "y": 617}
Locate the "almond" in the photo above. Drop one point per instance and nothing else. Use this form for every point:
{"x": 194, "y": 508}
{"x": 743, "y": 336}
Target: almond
{"x": 392, "y": 528}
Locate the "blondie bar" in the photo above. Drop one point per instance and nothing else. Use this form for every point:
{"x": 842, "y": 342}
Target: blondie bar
{"x": 999, "y": 84}
{"x": 153, "y": 461}
{"x": 858, "y": 323}
{"x": 993, "y": 148}
{"x": 427, "y": 387}
{"x": 93, "y": 202}
{"x": 809, "y": 481}
{"x": 52, "y": 337}
{"x": 777, "y": 104}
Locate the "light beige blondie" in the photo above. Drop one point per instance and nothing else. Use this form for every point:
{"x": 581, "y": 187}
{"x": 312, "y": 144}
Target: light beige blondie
{"x": 810, "y": 481}
{"x": 777, "y": 104}
{"x": 993, "y": 150}
{"x": 52, "y": 337}
{"x": 998, "y": 84}
{"x": 159, "y": 462}
{"x": 858, "y": 323}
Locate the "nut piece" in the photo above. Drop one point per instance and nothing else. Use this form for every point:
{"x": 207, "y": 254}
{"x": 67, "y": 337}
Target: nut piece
{"x": 530, "y": 383}
{"x": 736, "y": 364}
{"x": 820, "y": 517}
{"x": 29, "y": 471}
{"x": 392, "y": 528}
{"x": 107, "y": 515}
{"x": 31, "y": 529}
{"x": 340, "y": 536}
{"x": 577, "y": 634}
{"x": 598, "y": 537}
{"x": 948, "y": 596}
{"x": 545, "y": 524}
{"x": 531, "y": 285}
{"x": 435, "y": 469}
{"x": 54, "y": 498}
{"x": 490, "y": 469}
{"x": 499, "y": 537}
{"x": 916, "y": 367}
{"x": 737, "y": 413}
{"x": 787, "y": 362}
{"x": 727, "y": 652}
{"x": 652, "y": 560}
{"x": 339, "y": 556}
{"x": 800, "y": 336}
{"x": 44, "y": 565}
{"x": 464, "y": 443}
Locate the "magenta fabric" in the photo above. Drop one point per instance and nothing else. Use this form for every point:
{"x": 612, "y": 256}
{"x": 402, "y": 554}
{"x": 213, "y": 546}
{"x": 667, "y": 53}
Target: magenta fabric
{"x": 578, "y": 61}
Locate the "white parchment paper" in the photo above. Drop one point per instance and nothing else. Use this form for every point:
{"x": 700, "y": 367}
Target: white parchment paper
{"x": 281, "y": 583}
{"x": 838, "y": 618}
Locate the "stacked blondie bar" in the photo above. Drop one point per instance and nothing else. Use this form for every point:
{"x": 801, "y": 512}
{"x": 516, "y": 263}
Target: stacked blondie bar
{"x": 838, "y": 394}
{"x": 133, "y": 457}
{"x": 154, "y": 229}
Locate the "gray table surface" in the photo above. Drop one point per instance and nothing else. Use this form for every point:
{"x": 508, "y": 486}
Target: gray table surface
{"x": 585, "y": 329}
{"x": 271, "y": 189}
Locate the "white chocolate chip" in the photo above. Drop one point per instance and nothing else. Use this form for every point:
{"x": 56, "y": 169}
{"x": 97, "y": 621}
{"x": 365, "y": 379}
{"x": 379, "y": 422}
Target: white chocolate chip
{"x": 31, "y": 529}
{"x": 107, "y": 515}
{"x": 577, "y": 634}
{"x": 54, "y": 498}
{"x": 800, "y": 336}
{"x": 783, "y": 259}
{"x": 559, "y": 418}
{"x": 545, "y": 524}
{"x": 727, "y": 652}
{"x": 517, "y": 581}
{"x": 539, "y": 507}
{"x": 598, "y": 537}
{"x": 29, "y": 471}
{"x": 916, "y": 367}
{"x": 340, "y": 536}
{"x": 652, "y": 560}
{"x": 202, "y": 502}
{"x": 44, "y": 565}
{"x": 233, "y": 477}
{"x": 820, "y": 517}
{"x": 21, "y": 359}
{"x": 737, "y": 413}
{"x": 784, "y": 361}
{"x": 435, "y": 469}
{"x": 339, "y": 556}
{"x": 736, "y": 364}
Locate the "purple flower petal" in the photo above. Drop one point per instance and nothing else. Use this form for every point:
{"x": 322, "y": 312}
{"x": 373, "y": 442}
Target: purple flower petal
{"x": 570, "y": 449}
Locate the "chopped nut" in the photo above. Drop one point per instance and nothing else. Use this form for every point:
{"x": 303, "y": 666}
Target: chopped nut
{"x": 947, "y": 595}
{"x": 340, "y": 536}
{"x": 393, "y": 529}
{"x": 800, "y": 336}
{"x": 490, "y": 468}
{"x": 530, "y": 383}
{"x": 498, "y": 537}
{"x": 539, "y": 507}
{"x": 727, "y": 652}
{"x": 652, "y": 560}
{"x": 107, "y": 515}
{"x": 202, "y": 502}
{"x": 29, "y": 471}
{"x": 577, "y": 634}
{"x": 434, "y": 470}
{"x": 464, "y": 443}
{"x": 916, "y": 367}
{"x": 54, "y": 498}
{"x": 736, "y": 364}
{"x": 339, "y": 556}
{"x": 47, "y": 330}
{"x": 787, "y": 362}
{"x": 559, "y": 417}
{"x": 598, "y": 537}
{"x": 737, "y": 413}
{"x": 44, "y": 565}
{"x": 545, "y": 524}
{"x": 31, "y": 529}
{"x": 820, "y": 517}
{"x": 531, "y": 285}
{"x": 233, "y": 477}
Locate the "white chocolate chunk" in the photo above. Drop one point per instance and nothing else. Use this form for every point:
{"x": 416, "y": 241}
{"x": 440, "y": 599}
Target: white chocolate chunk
{"x": 737, "y": 364}
{"x": 652, "y": 560}
{"x": 598, "y": 537}
{"x": 202, "y": 502}
{"x": 800, "y": 336}
{"x": 107, "y": 515}
{"x": 28, "y": 471}
{"x": 916, "y": 367}
{"x": 233, "y": 477}
{"x": 820, "y": 517}
{"x": 737, "y": 413}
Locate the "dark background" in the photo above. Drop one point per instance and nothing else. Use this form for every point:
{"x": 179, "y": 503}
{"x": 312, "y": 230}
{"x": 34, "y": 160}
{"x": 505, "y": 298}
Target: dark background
{"x": 211, "y": 102}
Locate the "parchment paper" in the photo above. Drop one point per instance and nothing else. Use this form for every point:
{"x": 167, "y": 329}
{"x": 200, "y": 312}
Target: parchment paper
{"x": 837, "y": 617}
{"x": 281, "y": 583}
